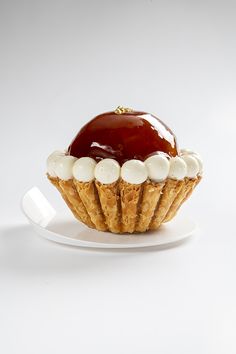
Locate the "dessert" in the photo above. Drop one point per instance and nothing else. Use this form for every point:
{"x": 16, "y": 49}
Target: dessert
{"x": 124, "y": 172}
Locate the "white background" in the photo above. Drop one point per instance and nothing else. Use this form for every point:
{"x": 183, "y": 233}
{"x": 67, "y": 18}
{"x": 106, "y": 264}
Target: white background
{"x": 61, "y": 63}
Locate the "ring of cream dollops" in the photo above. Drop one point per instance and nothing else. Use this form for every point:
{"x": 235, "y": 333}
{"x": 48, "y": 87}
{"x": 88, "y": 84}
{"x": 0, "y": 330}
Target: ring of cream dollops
{"x": 157, "y": 168}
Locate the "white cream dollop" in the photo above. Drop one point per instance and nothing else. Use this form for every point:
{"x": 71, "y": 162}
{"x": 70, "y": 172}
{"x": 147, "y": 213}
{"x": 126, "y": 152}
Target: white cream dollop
{"x": 200, "y": 163}
{"x": 134, "y": 171}
{"x": 192, "y": 165}
{"x": 51, "y": 162}
{"x": 83, "y": 169}
{"x": 107, "y": 171}
{"x": 63, "y": 167}
{"x": 184, "y": 152}
{"x": 158, "y": 167}
{"x": 178, "y": 168}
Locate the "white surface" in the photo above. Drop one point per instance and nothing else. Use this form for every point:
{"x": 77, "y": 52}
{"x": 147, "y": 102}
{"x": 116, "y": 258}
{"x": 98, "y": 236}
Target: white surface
{"x": 66, "y": 230}
{"x": 62, "y": 63}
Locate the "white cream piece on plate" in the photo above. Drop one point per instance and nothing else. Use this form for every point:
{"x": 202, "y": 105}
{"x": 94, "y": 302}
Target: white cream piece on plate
{"x": 134, "y": 172}
{"x": 192, "y": 165}
{"x": 83, "y": 169}
{"x": 63, "y": 167}
{"x": 107, "y": 171}
{"x": 158, "y": 167}
{"x": 178, "y": 168}
{"x": 51, "y": 162}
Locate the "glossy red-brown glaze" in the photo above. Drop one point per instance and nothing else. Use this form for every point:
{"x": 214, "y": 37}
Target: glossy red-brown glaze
{"x": 133, "y": 135}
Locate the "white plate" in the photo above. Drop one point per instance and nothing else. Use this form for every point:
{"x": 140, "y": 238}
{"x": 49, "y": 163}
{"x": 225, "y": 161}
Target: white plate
{"x": 65, "y": 229}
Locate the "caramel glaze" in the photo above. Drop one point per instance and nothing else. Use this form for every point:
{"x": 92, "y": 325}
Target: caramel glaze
{"x": 126, "y": 136}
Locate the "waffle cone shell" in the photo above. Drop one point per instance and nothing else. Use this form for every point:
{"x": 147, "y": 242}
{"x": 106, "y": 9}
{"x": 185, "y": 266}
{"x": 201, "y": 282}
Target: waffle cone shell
{"x": 123, "y": 207}
{"x": 109, "y": 196}
{"x": 72, "y": 199}
{"x": 87, "y": 191}
{"x": 151, "y": 195}
{"x": 169, "y": 193}
{"x": 184, "y": 193}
